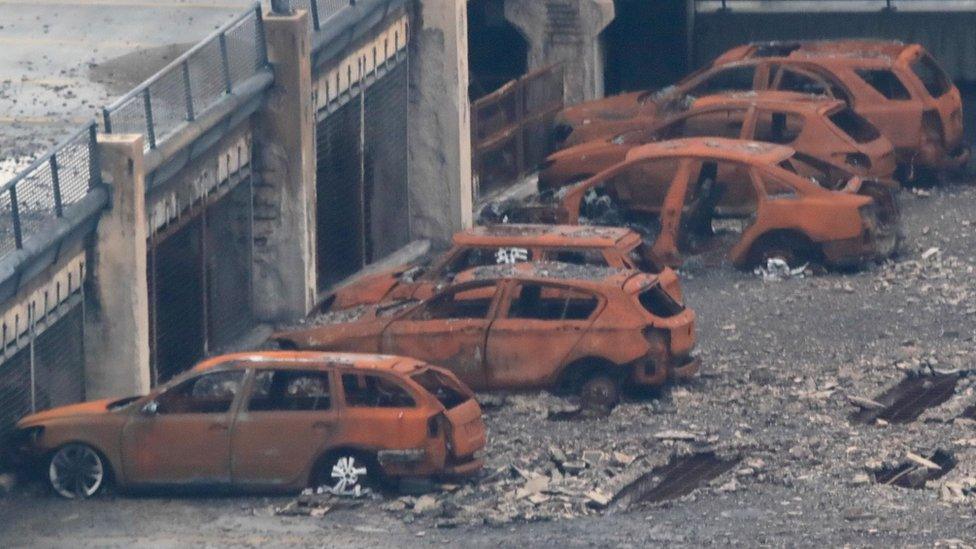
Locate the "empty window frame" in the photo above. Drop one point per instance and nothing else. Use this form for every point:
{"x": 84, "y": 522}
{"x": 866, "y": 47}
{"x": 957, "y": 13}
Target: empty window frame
{"x": 290, "y": 391}
{"x": 372, "y": 391}
{"x": 542, "y": 302}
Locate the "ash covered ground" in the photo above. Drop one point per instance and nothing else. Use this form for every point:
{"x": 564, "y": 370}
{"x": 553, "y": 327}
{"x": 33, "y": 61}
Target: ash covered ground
{"x": 787, "y": 367}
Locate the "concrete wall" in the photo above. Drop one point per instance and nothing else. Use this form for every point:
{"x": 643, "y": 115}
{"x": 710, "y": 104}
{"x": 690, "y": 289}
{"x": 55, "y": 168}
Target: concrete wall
{"x": 568, "y": 32}
{"x": 439, "y": 130}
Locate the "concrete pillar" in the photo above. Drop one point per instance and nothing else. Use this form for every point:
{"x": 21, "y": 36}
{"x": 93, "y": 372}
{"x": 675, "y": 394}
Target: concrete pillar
{"x": 284, "y": 202}
{"x": 566, "y": 31}
{"x": 439, "y": 121}
{"x": 117, "y": 315}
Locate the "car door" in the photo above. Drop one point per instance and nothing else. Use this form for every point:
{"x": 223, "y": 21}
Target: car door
{"x": 182, "y": 436}
{"x": 287, "y": 419}
{"x": 381, "y": 412}
{"x": 536, "y": 329}
{"x": 447, "y": 330}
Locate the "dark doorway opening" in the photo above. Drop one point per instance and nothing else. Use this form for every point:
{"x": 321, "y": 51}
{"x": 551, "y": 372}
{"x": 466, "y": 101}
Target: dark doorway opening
{"x": 497, "y": 51}
{"x": 646, "y": 45}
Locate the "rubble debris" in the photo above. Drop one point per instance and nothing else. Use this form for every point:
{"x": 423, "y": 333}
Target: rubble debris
{"x": 906, "y": 401}
{"x": 916, "y": 470}
{"x": 319, "y": 502}
{"x": 680, "y": 477}
{"x": 777, "y": 269}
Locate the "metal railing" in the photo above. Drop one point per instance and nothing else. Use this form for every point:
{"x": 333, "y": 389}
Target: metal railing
{"x": 844, "y": 5}
{"x": 34, "y": 200}
{"x": 193, "y": 83}
{"x": 511, "y": 128}
{"x": 319, "y": 11}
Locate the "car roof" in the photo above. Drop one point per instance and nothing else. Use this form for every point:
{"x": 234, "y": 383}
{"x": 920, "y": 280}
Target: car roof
{"x": 591, "y": 276}
{"x": 537, "y": 235}
{"x": 853, "y": 51}
{"x": 313, "y": 360}
{"x": 718, "y": 148}
{"x": 779, "y": 100}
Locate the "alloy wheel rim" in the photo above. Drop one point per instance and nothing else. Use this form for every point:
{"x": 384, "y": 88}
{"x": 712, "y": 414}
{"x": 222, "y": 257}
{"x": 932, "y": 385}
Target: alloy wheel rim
{"x": 76, "y": 472}
{"x": 347, "y": 474}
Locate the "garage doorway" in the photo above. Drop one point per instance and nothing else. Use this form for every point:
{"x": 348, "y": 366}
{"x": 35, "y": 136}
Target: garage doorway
{"x": 497, "y": 51}
{"x": 646, "y": 45}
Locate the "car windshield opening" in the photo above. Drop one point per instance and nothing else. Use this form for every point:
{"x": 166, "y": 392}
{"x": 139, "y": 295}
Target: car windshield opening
{"x": 855, "y": 126}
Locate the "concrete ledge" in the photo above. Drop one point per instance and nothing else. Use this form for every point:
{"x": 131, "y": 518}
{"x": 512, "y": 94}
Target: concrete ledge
{"x": 195, "y": 137}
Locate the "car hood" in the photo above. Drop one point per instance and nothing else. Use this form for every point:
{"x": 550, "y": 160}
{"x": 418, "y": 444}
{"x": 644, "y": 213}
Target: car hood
{"x": 91, "y": 408}
{"x": 617, "y": 107}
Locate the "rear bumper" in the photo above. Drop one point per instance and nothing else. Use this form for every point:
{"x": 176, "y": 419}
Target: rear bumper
{"x": 463, "y": 469}
{"x": 853, "y": 252}
{"x": 941, "y": 159}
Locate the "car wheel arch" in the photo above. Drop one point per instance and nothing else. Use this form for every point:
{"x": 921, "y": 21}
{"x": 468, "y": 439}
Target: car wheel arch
{"x": 111, "y": 467}
{"x": 779, "y": 237}
{"x": 574, "y": 374}
{"x": 366, "y": 454}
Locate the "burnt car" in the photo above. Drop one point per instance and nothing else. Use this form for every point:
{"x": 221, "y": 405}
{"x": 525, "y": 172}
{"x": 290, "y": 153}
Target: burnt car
{"x": 832, "y": 142}
{"x": 900, "y": 88}
{"x": 505, "y": 244}
{"x": 569, "y": 328}
{"x": 741, "y": 199}
{"x": 267, "y": 421}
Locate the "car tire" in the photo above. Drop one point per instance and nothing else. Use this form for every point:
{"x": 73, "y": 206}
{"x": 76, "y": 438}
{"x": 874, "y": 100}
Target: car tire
{"x": 347, "y": 472}
{"x": 599, "y": 393}
{"x": 77, "y": 471}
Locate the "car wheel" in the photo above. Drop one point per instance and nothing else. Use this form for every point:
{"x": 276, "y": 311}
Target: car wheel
{"x": 76, "y": 471}
{"x": 599, "y": 393}
{"x": 792, "y": 250}
{"x": 348, "y": 474}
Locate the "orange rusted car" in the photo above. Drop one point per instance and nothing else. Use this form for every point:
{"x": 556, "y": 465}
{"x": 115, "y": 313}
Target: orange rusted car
{"x": 898, "y": 87}
{"x": 271, "y": 420}
{"x": 743, "y": 199}
{"x": 832, "y": 142}
{"x": 574, "y": 328}
{"x": 507, "y": 243}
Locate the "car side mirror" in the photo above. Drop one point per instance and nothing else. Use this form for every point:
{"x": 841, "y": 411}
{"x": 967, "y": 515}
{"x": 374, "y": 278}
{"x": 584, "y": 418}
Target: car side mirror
{"x": 150, "y": 408}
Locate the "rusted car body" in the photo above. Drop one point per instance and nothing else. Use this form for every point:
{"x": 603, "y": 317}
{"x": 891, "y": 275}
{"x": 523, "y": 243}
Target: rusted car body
{"x": 898, "y": 87}
{"x": 502, "y": 244}
{"x": 270, "y": 420}
{"x": 566, "y": 327}
{"x": 810, "y": 124}
{"x": 743, "y": 198}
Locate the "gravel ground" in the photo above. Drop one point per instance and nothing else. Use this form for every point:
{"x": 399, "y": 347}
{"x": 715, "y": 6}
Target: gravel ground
{"x": 786, "y": 365}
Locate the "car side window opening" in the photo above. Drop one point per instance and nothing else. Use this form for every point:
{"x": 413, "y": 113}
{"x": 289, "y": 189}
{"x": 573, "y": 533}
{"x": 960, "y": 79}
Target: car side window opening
{"x": 776, "y": 188}
{"x": 885, "y": 82}
{"x": 206, "y": 394}
{"x": 372, "y": 391}
{"x": 730, "y": 79}
{"x": 541, "y": 302}
{"x": 458, "y": 304}
{"x": 723, "y": 123}
{"x": 445, "y": 390}
{"x": 935, "y": 80}
{"x": 778, "y": 127}
{"x": 471, "y": 258}
{"x": 578, "y": 256}
{"x": 794, "y": 81}
{"x": 284, "y": 390}
{"x": 855, "y": 125}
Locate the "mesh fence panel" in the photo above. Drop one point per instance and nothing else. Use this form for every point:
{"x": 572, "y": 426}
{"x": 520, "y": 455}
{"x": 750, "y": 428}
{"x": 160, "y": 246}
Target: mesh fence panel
{"x": 339, "y": 195}
{"x": 167, "y": 96}
{"x": 75, "y": 170}
{"x": 207, "y": 85}
{"x": 7, "y": 241}
{"x": 59, "y": 361}
{"x": 228, "y": 250}
{"x": 496, "y": 113}
{"x": 35, "y": 203}
{"x": 244, "y": 49}
{"x": 328, "y": 8}
{"x": 15, "y": 390}
{"x": 130, "y": 117}
{"x": 176, "y": 301}
{"x": 543, "y": 90}
{"x": 385, "y": 189}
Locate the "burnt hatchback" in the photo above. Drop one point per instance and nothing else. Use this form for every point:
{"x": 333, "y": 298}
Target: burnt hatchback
{"x": 583, "y": 329}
